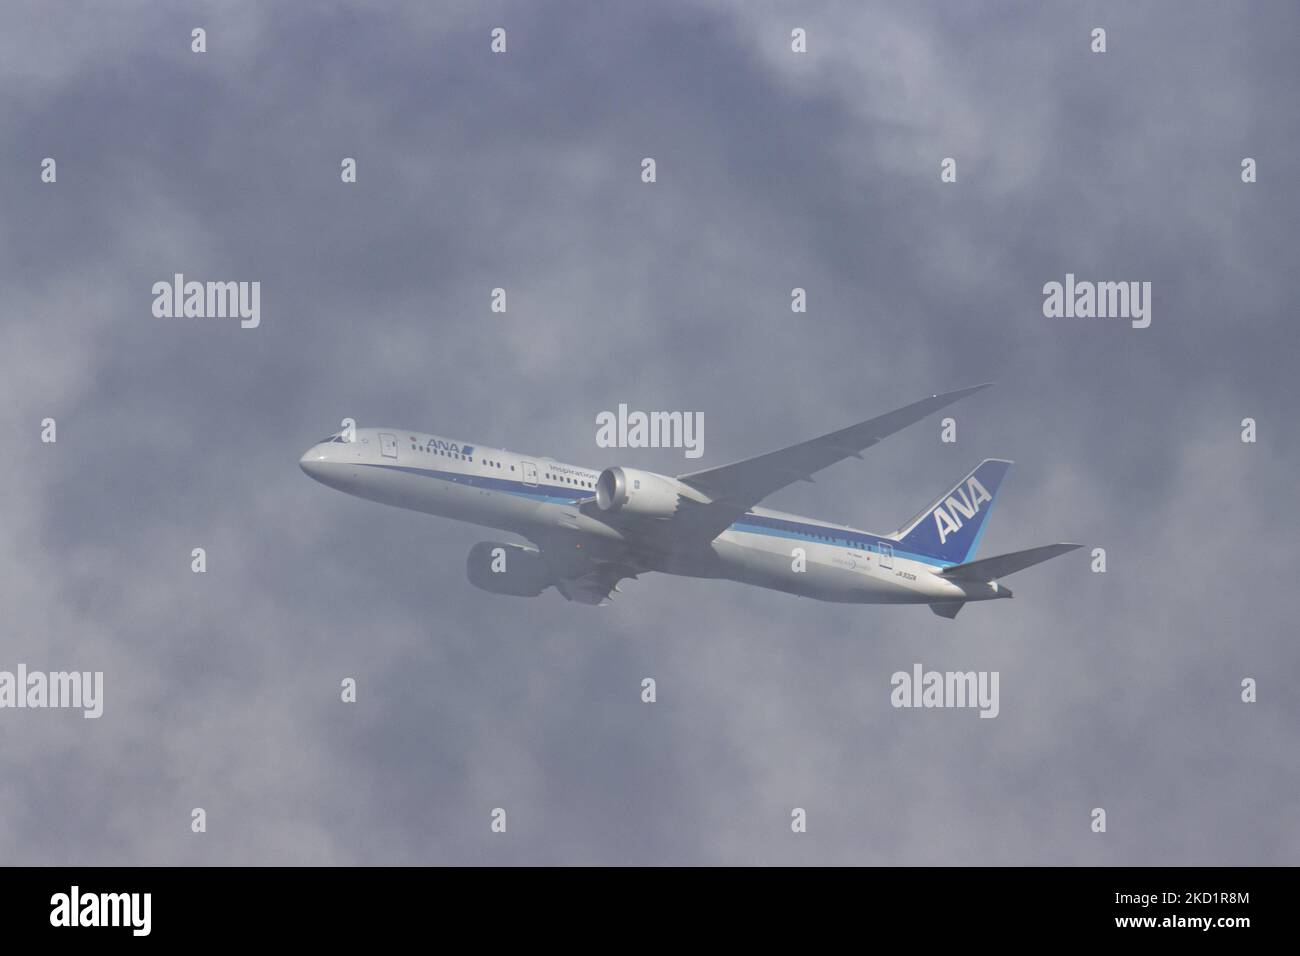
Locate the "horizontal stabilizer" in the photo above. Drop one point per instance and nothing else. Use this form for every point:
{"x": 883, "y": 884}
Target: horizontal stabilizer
{"x": 999, "y": 566}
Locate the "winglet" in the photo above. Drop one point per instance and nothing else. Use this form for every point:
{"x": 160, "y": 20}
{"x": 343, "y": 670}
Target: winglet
{"x": 962, "y": 392}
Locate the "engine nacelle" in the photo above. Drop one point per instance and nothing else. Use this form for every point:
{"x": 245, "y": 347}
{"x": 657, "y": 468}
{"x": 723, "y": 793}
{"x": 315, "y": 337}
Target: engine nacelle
{"x": 644, "y": 493}
{"x": 508, "y": 569}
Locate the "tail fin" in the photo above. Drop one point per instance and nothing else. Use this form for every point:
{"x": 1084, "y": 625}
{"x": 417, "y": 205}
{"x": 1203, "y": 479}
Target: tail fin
{"x": 950, "y": 529}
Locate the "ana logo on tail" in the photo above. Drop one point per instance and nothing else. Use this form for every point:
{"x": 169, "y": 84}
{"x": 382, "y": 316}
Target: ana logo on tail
{"x": 962, "y": 503}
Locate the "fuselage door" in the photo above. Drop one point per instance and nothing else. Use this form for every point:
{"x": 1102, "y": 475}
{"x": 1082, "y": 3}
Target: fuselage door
{"x": 530, "y": 473}
{"x": 388, "y": 445}
{"x": 886, "y": 555}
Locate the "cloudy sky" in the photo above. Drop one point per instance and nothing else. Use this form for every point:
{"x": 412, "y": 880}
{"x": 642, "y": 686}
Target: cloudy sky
{"x": 775, "y": 170}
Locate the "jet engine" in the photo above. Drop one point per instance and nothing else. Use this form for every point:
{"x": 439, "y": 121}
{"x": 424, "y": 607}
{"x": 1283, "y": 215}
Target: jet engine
{"x": 644, "y": 493}
{"x": 508, "y": 569}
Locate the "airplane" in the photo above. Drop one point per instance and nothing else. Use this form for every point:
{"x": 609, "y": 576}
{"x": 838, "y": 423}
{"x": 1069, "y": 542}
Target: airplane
{"x": 588, "y": 530}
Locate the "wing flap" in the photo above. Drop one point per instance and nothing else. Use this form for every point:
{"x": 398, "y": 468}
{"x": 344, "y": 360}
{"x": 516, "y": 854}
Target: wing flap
{"x": 598, "y": 586}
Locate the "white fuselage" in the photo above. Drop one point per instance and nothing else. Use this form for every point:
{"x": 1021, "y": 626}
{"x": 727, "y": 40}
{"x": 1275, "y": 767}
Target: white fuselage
{"x": 538, "y": 498}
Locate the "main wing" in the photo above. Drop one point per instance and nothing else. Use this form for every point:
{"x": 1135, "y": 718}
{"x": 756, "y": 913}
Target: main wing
{"x": 737, "y": 487}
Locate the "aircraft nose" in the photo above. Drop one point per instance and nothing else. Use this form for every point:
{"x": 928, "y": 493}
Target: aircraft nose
{"x": 313, "y": 462}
